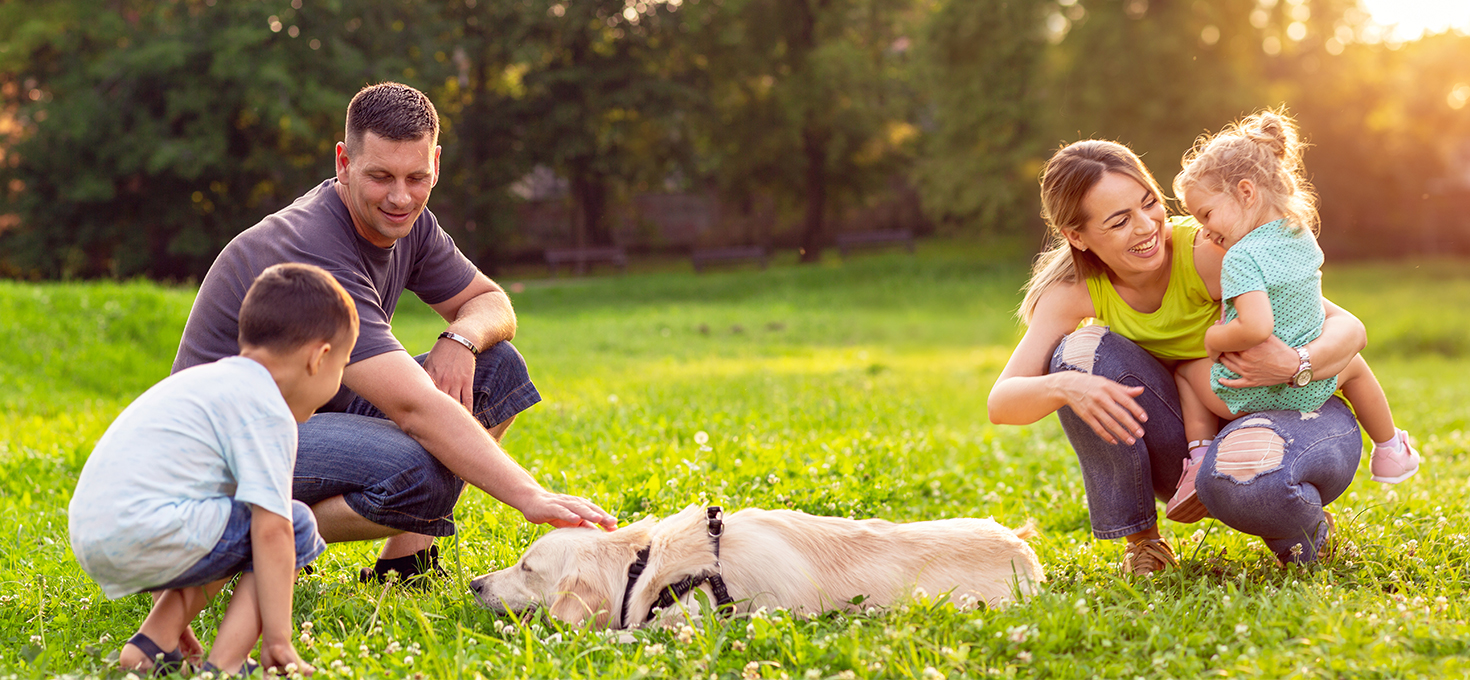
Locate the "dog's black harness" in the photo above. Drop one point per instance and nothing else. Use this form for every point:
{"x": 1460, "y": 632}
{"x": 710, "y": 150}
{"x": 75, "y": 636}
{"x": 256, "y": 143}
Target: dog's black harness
{"x": 671, "y": 593}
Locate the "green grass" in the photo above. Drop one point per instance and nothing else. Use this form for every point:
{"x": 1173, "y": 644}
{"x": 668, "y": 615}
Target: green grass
{"x": 852, "y": 388}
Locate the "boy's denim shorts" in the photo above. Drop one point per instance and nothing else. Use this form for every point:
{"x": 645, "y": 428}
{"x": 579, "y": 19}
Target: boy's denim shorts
{"x": 233, "y": 554}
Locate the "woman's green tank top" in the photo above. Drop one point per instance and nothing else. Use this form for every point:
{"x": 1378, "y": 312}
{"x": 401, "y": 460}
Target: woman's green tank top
{"x": 1177, "y": 330}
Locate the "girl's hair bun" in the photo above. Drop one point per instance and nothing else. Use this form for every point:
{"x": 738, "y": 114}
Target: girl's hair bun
{"x": 1271, "y": 130}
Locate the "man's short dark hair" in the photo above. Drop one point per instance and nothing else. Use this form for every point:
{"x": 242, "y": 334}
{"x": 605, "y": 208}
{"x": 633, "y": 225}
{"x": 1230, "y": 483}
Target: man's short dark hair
{"x": 393, "y": 111}
{"x": 291, "y": 304}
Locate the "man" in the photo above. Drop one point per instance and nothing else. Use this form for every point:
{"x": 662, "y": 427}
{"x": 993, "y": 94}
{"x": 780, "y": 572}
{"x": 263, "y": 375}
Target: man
{"x": 366, "y": 477}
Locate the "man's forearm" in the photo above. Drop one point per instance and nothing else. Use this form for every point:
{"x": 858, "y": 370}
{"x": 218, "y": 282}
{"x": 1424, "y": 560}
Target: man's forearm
{"x": 456, "y": 439}
{"x": 486, "y": 319}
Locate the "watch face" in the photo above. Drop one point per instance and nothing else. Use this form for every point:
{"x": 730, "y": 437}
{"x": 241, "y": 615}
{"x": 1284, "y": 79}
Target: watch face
{"x": 1303, "y": 377}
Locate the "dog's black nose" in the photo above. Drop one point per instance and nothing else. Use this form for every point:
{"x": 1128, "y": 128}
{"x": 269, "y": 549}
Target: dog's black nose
{"x": 477, "y": 586}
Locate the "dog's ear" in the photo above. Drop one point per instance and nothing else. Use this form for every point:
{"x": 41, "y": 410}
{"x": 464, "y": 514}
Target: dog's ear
{"x": 576, "y": 600}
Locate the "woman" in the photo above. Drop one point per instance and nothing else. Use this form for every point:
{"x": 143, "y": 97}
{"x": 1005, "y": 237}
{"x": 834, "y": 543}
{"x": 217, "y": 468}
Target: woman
{"x": 1123, "y": 294}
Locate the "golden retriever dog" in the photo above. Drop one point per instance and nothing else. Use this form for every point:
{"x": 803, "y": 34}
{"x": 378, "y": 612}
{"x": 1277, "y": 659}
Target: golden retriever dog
{"x": 763, "y": 558}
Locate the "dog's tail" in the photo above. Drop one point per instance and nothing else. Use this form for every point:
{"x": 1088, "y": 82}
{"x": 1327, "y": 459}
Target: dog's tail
{"x": 1027, "y": 531}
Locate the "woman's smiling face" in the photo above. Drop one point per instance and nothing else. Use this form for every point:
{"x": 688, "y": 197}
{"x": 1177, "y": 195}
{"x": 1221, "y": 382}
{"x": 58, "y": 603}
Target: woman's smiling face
{"x": 1124, "y": 227}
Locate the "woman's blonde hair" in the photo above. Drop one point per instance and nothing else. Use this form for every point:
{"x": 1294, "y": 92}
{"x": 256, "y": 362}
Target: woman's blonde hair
{"x": 1263, "y": 148}
{"x": 1072, "y": 172}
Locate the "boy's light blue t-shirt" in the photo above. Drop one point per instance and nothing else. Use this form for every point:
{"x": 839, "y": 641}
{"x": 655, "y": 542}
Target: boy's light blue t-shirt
{"x": 154, "y": 497}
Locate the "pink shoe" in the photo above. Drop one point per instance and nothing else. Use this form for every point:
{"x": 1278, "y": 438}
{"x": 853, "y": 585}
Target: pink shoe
{"x": 1185, "y": 506}
{"x": 1392, "y": 466}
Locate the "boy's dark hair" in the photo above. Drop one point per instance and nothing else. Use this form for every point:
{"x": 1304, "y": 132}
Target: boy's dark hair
{"x": 393, "y": 111}
{"x": 292, "y": 304}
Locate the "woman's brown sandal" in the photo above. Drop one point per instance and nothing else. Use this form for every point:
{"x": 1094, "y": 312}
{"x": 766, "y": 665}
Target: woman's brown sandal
{"x": 1143, "y": 558}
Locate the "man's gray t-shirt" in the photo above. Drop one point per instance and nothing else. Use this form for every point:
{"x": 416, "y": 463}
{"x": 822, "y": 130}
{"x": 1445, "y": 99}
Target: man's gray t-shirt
{"x": 317, "y": 229}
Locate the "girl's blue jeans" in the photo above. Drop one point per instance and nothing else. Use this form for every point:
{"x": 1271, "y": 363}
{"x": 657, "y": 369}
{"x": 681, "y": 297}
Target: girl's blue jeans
{"x": 1267, "y": 474}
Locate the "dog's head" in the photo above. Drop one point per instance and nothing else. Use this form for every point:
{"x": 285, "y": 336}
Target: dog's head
{"x": 577, "y": 574}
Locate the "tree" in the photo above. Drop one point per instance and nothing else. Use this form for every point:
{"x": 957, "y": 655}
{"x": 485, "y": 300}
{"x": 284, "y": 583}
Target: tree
{"x": 161, "y": 129}
{"x": 807, "y": 100}
{"x": 982, "y": 64}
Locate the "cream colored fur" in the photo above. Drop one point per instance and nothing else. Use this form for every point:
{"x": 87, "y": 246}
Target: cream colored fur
{"x": 768, "y": 558}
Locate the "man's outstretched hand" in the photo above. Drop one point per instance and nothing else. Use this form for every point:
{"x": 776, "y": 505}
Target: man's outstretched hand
{"x": 562, "y": 510}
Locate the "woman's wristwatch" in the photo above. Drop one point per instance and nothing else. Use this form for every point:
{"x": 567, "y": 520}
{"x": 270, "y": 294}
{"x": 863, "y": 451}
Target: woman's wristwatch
{"x": 1303, "y": 373}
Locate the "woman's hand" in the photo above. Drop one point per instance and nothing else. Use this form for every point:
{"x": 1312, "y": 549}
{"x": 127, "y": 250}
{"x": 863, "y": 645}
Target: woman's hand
{"x": 1107, "y": 407}
{"x": 1269, "y": 363}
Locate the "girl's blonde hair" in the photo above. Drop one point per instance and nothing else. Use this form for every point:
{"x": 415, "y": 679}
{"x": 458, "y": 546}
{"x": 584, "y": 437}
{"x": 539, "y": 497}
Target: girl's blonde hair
{"x": 1263, "y": 148}
{"x": 1072, "y": 172}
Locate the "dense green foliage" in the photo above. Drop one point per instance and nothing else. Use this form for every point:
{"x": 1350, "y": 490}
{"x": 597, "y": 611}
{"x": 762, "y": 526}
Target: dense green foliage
{"x": 854, "y": 388}
{"x": 138, "y": 136}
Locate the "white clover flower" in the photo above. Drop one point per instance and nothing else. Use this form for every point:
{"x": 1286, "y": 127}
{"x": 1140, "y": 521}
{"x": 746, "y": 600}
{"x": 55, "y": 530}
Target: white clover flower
{"x": 920, "y": 593}
{"x": 932, "y": 673}
{"x": 408, "y": 659}
{"x": 812, "y": 674}
{"x": 847, "y": 675}
{"x": 1023, "y": 657}
{"x": 737, "y": 646}
{"x": 1242, "y": 629}
{"x": 752, "y": 671}
{"x": 307, "y": 625}
{"x": 1296, "y": 550}
{"x": 686, "y": 634}
{"x": 653, "y": 650}
{"x": 772, "y": 479}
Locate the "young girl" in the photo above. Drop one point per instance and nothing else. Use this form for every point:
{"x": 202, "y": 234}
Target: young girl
{"x": 1247, "y": 188}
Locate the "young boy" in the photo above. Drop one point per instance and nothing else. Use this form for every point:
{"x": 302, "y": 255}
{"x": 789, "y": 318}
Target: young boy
{"x": 192, "y": 483}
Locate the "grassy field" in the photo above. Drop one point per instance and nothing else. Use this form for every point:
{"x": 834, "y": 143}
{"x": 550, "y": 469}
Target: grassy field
{"x": 852, "y": 388}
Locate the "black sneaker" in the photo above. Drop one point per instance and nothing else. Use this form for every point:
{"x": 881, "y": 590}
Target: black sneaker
{"x": 414, "y": 570}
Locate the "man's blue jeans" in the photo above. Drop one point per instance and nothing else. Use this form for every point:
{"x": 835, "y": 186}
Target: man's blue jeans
{"x": 386, "y": 476}
{"x": 1267, "y": 474}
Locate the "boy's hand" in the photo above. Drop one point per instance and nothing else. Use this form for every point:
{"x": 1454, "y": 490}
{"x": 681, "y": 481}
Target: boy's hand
{"x": 282, "y": 657}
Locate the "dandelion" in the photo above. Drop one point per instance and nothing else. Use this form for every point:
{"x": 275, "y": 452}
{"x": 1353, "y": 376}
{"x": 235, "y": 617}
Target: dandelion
{"x": 701, "y": 437}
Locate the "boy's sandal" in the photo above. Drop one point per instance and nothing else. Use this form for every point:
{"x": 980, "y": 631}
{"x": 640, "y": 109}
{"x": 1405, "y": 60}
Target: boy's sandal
{"x": 246, "y": 670}
{"x": 1145, "y": 557}
{"x": 164, "y": 663}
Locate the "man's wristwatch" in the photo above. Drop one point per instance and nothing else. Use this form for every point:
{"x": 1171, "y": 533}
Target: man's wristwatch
{"x": 1303, "y": 373}
{"x": 470, "y": 345}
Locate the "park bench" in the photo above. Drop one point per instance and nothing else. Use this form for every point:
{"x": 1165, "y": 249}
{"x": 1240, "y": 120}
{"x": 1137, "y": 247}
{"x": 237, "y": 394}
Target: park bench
{"x": 875, "y": 239}
{"x": 705, "y": 256}
{"x": 581, "y": 257}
